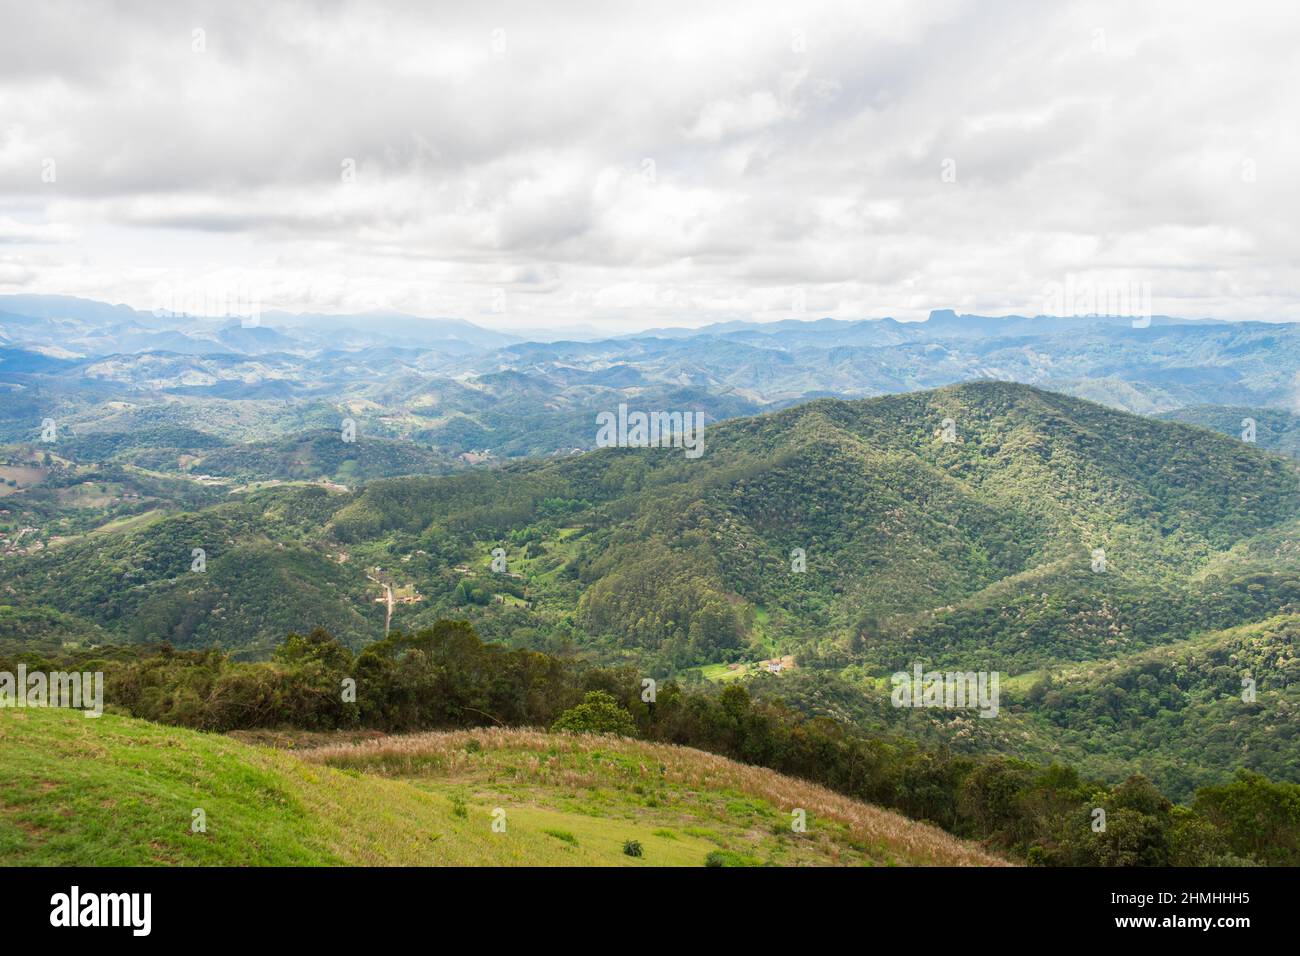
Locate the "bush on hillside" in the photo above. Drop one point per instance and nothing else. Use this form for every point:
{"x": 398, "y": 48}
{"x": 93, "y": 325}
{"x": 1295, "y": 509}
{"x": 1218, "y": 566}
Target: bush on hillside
{"x": 598, "y": 713}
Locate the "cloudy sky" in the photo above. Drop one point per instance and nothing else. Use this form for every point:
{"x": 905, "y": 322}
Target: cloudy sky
{"x": 623, "y": 165}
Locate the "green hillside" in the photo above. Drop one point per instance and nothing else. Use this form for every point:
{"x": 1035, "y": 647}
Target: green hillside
{"x": 1181, "y": 713}
{"x": 909, "y": 541}
{"x": 321, "y": 454}
{"x": 907, "y": 538}
{"x": 116, "y": 791}
{"x": 1275, "y": 429}
{"x": 1174, "y": 713}
{"x": 263, "y": 574}
{"x": 979, "y": 553}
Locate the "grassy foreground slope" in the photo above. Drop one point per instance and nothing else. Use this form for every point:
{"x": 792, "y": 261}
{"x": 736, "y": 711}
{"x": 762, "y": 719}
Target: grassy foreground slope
{"x": 118, "y": 791}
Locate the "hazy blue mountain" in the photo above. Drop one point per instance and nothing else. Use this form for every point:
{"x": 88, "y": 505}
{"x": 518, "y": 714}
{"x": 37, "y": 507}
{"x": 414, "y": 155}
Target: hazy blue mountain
{"x": 394, "y": 328}
{"x": 460, "y": 388}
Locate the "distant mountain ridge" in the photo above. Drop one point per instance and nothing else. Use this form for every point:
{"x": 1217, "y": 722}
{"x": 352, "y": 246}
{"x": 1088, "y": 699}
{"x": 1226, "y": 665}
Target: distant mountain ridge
{"x": 49, "y": 313}
{"x": 454, "y": 387}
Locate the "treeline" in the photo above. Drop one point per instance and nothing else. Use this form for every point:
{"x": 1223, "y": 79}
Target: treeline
{"x": 446, "y": 677}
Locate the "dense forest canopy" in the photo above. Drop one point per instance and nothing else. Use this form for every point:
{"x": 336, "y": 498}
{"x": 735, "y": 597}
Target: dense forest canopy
{"x": 852, "y": 539}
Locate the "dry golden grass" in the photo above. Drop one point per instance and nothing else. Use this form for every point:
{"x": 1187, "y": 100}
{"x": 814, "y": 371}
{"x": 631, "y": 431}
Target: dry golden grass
{"x": 293, "y": 739}
{"x": 456, "y": 754}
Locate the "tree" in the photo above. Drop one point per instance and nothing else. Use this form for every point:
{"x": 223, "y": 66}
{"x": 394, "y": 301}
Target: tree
{"x": 1260, "y": 818}
{"x": 598, "y": 713}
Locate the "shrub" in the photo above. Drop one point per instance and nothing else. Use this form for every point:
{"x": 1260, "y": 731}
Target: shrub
{"x": 598, "y": 713}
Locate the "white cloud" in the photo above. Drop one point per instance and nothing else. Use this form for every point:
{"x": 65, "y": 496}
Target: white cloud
{"x": 654, "y": 164}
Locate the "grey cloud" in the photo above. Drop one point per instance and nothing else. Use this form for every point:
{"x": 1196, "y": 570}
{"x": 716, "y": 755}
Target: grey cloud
{"x": 730, "y": 153}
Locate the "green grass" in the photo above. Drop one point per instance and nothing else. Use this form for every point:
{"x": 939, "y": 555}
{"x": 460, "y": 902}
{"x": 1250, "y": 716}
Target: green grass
{"x": 723, "y": 672}
{"x": 115, "y": 791}
{"x": 605, "y": 836}
{"x": 598, "y": 793}
{"x": 121, "y": 792}
{"x": 116, "y": 526}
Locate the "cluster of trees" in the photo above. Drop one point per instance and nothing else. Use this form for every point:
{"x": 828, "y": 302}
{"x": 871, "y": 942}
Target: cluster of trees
{"x": 662, "y": 601}
{"x": 1230, "y": 698}
{"x": 103, "y": 446}
{"x": 316, "y": 454}
{"x": 445, "y": 677}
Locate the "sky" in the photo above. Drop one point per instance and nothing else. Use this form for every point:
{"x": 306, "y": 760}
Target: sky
{"x": 619, "y": 166}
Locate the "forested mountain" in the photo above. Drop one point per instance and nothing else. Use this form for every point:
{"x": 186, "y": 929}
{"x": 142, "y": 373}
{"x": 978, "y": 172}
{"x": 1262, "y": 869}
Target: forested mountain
{"x": 987, "y": 526}
{"x": 906, "y": 536}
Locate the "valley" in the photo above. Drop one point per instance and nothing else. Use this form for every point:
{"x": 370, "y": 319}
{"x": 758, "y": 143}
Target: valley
{"x": 1125, "y": 576}
{"x": 977, "y": 554}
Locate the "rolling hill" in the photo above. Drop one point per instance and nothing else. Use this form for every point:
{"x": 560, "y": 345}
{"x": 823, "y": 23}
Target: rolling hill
{"x": 118, "y": 792}
{"x": 1049, "y": 533}
{"x": 979, "y": 550}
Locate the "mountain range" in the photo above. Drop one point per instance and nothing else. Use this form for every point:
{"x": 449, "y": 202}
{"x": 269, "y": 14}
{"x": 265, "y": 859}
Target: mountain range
{"x": 989, "y": 526}
{"x": 460, "y": 390}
